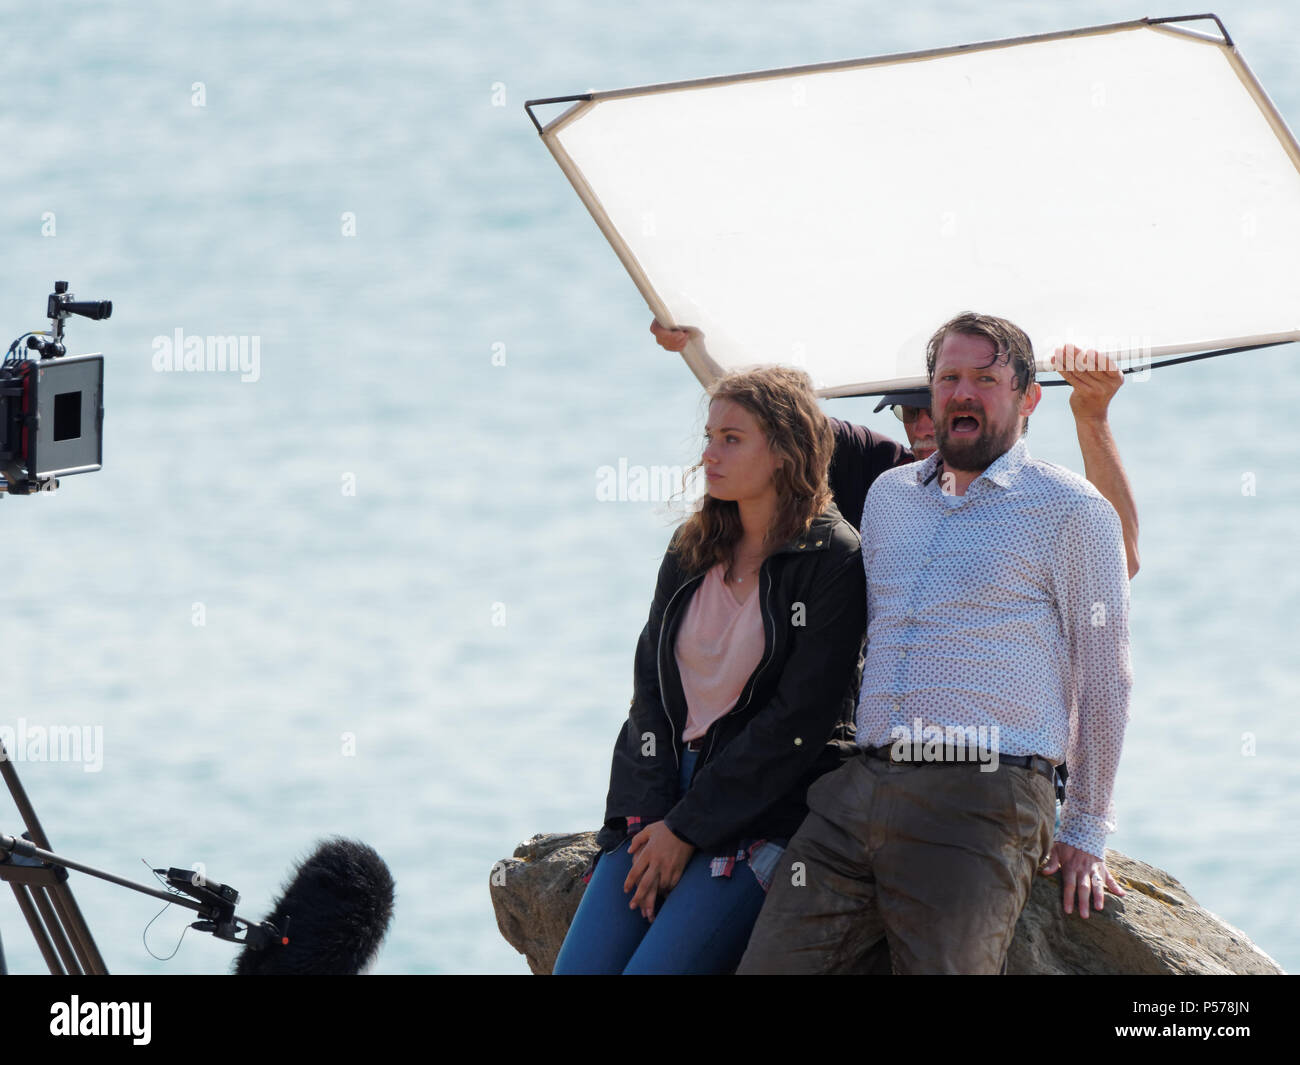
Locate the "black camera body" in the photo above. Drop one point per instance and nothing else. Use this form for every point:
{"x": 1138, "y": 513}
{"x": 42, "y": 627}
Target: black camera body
{"x": 51, "y": 407}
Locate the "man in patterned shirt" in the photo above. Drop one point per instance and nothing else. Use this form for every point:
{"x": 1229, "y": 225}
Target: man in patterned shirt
{"x": 997, "y": 646}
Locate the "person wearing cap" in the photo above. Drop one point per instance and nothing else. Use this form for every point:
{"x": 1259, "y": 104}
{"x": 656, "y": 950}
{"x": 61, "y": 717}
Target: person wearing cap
{"x": 861, "y": 454}
{"x": 912, "y": 408}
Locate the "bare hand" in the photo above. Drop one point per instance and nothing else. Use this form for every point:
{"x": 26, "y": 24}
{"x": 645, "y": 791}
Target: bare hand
{"x": 1094, "y": 379}
{"x": 658, "y": 860}
{"x": 1083, "y": 874}
{"x": 671, "y": 339}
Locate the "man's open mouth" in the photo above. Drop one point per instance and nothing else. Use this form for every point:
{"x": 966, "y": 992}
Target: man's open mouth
{"x": 964, "y": 423}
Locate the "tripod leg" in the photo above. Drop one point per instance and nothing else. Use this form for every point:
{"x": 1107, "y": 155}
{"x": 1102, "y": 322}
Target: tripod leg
{"x": 64, "y": 906}
{"x": 55, "y": 931}
{"x": 38, "y": 930}
{"x": 82, "y": 941}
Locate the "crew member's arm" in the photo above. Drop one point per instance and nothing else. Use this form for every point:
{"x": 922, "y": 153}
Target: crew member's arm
{"x": 1091, "y": 590}
{"x": 860, "y": 456}
{"x": 670, "y": 339}
{"x": 1091, "y": 391}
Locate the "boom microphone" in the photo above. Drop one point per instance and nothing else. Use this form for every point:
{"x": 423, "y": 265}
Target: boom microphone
{"x": 334, "y": 914}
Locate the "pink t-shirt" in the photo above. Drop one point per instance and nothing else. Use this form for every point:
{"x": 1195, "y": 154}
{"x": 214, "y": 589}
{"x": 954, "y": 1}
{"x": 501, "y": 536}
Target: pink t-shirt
{"x": 719, "y": 645}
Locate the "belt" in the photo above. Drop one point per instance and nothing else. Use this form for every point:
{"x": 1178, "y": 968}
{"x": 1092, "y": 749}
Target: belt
{"x": 1033, "y": 762}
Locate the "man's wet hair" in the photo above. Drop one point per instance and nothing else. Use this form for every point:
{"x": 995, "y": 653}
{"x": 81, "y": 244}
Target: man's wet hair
{"x": 1010, "y": 344}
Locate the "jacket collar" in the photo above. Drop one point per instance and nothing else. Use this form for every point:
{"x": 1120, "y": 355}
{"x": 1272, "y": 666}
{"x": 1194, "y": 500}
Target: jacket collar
{"x": 818, "y": 535}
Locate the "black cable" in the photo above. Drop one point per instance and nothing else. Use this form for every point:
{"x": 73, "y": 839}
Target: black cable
{"x": 13, "y": 355}
{"x": 145, "y": 934}
{"x": 166, "y": 906}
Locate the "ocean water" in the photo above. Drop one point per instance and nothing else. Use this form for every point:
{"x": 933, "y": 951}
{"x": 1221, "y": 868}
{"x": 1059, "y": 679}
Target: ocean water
{"x": 372, "y": 591}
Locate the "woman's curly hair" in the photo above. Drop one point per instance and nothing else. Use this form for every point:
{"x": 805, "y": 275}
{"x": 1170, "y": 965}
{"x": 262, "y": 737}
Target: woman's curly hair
{"x": 782, "y": 400}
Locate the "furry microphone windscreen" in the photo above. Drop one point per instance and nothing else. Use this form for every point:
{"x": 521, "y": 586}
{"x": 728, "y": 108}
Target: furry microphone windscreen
{"x": 338, "y": 905}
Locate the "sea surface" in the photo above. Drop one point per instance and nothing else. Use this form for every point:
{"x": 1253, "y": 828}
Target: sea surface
{"x": 366, "y": 587}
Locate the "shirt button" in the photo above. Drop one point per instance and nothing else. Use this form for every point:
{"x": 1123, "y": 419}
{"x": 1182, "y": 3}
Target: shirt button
{"x": 798, "y": 741}
{"x": 902, "y": 654}
{"x": 897, "y": 707}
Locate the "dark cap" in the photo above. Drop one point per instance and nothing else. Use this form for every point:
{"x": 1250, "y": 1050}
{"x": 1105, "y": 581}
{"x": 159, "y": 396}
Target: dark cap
{"x": 913, "y": 397}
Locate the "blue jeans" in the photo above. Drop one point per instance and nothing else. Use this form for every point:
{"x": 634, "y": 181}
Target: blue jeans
{"x": 700, "y": 927}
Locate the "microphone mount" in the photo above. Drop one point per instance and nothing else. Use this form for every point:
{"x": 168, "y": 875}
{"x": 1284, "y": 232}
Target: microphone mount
{"x": 39, "y": 877}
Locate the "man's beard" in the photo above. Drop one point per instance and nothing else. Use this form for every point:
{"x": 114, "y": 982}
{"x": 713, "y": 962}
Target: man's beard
{"x": 975, "y": 453}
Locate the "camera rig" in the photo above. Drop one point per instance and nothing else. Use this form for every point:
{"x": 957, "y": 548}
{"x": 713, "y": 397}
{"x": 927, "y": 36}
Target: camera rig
{"x": 52, "y": 406}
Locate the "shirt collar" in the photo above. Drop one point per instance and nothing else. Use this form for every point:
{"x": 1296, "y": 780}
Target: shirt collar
{"x": 926, "y": 468}
{"x": 1001, "y": 471}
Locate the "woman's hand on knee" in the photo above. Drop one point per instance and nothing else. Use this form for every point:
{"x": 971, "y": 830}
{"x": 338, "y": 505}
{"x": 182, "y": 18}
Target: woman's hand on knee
{"x": 658, "y": 860}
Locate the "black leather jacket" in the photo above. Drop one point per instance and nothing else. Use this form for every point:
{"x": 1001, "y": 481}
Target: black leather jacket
{"x": 792, "y": 722}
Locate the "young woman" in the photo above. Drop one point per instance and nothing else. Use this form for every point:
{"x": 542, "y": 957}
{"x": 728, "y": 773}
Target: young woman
{"x": 744, "y": 692}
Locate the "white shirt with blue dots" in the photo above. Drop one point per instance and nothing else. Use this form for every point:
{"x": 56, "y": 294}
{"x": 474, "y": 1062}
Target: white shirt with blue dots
{"x": 1005, "y": 606}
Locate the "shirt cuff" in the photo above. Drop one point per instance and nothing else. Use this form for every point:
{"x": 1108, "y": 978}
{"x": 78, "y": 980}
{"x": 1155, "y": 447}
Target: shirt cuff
{"x": 1083, "y": 832}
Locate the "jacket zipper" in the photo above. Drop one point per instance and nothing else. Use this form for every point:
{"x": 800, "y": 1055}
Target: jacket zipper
{"x": 753, "y": 681}
{"x": 659, "y": 666}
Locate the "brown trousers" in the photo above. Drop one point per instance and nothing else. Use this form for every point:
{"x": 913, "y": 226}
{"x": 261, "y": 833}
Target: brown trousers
{"x": 932, "y": 863}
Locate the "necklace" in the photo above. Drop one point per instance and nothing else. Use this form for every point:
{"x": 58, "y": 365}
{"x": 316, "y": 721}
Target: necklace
{"x": 735, "y": 568}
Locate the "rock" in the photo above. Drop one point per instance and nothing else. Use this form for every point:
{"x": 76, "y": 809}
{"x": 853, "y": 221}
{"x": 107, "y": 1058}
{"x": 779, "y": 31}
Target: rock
{"x": 536, "y": 893}
{"x": 1157, "y": 927}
